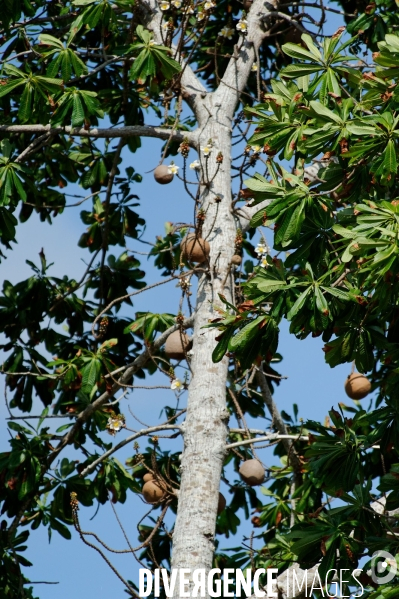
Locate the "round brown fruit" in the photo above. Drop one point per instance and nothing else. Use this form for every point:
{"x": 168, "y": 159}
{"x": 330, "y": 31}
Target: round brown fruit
{"x": 236, "y": 259}
{"x": 252, "y": 472}
{"x": 195, "y": 248}
{"x": 148, "y": 476}
{"x": 162, "y": 174}
{"x": 221, "y": 503}
{"x": 357, "y": 386}
{"x": 152, "y": 493}
{"x": 176, "y": 344}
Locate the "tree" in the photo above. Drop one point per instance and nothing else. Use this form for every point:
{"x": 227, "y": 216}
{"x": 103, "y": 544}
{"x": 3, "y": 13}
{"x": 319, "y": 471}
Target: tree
{"x": 77, "y": 73}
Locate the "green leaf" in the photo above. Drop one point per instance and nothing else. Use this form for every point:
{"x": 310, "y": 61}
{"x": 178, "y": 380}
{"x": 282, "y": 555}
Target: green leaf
{"x": 9, "y": 86}
{"x": 90, "y": 374}
{"x": 347, "y": 233}
{"x": 222, "y": 346}
{"x": 293, "y": 71}
{"x": 311, "y": 46}
{"x": 325, "y": 112}
{"x": 269, "y": 285}
{"x": 359, "y": 128}
{"x": 390, "y": 162}
{"x": 42, "y": 418}
{"x": 78, "y": 114}
{"x": 300, "y": 302}
{"x": 296, "y": 51}
{"x": 338, "y": 293}
{"x": 49, "y": 40}
{"x": 321, "y": 301}
{"x": 245, "y": 335}
{"x": 259, "y": 183}
{"x": 59, "y": 526}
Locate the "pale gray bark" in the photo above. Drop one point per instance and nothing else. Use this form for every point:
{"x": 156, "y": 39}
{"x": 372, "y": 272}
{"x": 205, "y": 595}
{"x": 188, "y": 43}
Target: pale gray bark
{"x": 128, "y": 131}
{"x": 205, "y": 428}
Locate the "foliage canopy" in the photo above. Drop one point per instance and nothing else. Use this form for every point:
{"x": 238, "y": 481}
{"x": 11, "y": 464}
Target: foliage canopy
{"x": 319, "y": 168}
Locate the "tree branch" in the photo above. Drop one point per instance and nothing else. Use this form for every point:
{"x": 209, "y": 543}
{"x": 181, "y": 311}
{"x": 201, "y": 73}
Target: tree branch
{"x": 279, "y": 423}
{"x": 268, "y": 437}
{"x": 238, "y": 70}
{"x": 141, "y": 433}
{"x": 151, "y": 17}
{"x": 138, "y": 363}
{"x": 130, "y": 131}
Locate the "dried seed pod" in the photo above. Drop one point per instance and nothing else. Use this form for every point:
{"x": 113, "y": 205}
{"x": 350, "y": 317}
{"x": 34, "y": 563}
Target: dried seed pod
{"x": 221, "y": 503}
{"x": 176, "y": 345}
{"x": 162, "y": 174}
{"x": 357, "y": 386}
{"x": 152, "y": 493}
{"x": 195, "y": 248}
{"x": 252, "y": 472}
{"x": 236, "y": 260}
{"x": 148, "y": 476}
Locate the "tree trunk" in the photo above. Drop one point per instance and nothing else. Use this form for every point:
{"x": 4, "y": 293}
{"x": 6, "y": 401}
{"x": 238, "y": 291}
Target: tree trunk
{"x": 205, "y": 427}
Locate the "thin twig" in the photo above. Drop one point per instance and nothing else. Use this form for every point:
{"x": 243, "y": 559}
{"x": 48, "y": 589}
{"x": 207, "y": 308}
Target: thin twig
{"x": 142, "y": 433}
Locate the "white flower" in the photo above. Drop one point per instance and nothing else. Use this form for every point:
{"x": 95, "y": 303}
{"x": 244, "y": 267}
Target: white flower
{"x": 176, "y": 3}
{"x": 264, "y": 262}
{"x": 209, "y": 4}
{"x": 176, "y": 385}
{"x": 256, "y": 149}
{"x": 184, "y": 283}
{"x": 173, "y": 169}
{"x": 254, "y": 67}
{"x": 165, "y": 5}
{"x": 261, "y": 249}
{"x": 201, "y": 16}
{"x": 188, "y": 10}
{"x": 152, "y": 42}
{"x": 207, "y": 150}
{"x": 226, "y": 32}
{"x": 115, "y": 424}
{"x": 165, "y": 25}
{"x": 242, "y": 25}
{"x": 195, "y": 165}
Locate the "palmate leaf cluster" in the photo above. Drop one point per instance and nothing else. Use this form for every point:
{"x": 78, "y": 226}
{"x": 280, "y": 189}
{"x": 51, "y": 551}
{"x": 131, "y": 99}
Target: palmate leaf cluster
{"x": 336, "y": 232}
{"x": 335, "y": 274}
